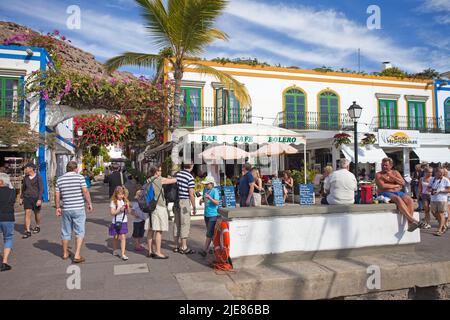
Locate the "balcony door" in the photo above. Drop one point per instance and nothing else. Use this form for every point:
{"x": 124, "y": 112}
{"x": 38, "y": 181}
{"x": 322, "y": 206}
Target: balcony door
{"x": 228, "y": 108}
{"x": 329, "y": 110}
{"x": 295, "y": 109}
{"x": 387, "y": 113}
{"x": 416, "y": 115}
{"x": 191, "y": 111}
{"x": 447, "y": 115}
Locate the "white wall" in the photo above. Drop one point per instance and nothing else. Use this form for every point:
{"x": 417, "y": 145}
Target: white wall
{"x": 261, "y": 236}
{"x": 266, "y": 93}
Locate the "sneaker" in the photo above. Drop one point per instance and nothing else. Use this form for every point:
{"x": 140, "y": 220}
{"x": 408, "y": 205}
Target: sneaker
{"x": 5, "y": 267}
{"x": 124, "y": 258}
{"x": 421, "y": 225}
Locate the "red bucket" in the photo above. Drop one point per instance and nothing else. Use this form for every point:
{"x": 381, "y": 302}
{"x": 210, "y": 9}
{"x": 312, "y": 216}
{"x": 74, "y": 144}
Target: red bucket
{"x": 366, "y": 194}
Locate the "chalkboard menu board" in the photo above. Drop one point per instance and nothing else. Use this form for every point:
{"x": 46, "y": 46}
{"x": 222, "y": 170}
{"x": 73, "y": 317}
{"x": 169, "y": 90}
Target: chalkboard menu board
{"x": 278, "y": 194}
{"x": 306, "y": 194}
{"x": 229, "y": 197}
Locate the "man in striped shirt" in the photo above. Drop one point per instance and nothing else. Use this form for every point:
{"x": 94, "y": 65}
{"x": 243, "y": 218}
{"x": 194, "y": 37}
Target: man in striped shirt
{"x": 182, "y": 212}
{"x": 72, "y": 189}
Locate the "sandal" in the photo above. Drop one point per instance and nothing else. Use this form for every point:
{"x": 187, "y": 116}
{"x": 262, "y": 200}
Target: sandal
{"x": 439, "y": 233}
{"x": 202, "y": 253}
{"x": 175, "y": 250}
{"x": 187, "y": 251}
{"x": 80, "y": 260}
{"x": 36, "y": 230}
{"x": 26, "y": 235}
{"x": 155, "y": 256}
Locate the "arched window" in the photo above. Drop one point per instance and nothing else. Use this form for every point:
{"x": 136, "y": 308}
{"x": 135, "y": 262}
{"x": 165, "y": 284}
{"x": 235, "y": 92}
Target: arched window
{"x": 447, "y": 115}
{"x": 329, "y": 110}
{"x": 294, "y": 109}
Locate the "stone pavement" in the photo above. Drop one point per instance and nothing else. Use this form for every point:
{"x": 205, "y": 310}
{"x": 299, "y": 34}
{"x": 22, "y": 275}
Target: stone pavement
{"x": 40, "y": 273}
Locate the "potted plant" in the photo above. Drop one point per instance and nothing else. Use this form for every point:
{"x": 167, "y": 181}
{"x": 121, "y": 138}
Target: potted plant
{"x": 341, "y": 138}
{"x": 369, "y": 140}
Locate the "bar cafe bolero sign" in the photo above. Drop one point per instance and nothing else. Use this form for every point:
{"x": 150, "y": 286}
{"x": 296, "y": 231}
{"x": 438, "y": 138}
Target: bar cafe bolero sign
{"x": 398, "y": 138}
{"x": 243, "y": 139}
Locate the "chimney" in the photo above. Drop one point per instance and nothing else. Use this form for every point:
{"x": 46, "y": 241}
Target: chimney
{"x": 387, "y": 65}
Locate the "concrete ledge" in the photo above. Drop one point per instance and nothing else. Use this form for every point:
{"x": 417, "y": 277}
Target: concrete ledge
{"x": 295, "y": 210}
{"x": 295, "y": 256}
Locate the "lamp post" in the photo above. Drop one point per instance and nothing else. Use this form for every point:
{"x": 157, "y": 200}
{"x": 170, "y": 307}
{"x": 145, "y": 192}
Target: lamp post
{"x": 355, "y": 113}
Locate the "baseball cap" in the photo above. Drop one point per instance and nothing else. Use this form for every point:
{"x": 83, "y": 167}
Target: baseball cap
{"x": 209, "y": 180}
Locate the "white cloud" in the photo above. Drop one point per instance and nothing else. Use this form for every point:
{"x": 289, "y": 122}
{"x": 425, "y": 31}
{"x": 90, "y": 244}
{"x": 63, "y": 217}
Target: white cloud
{"x": 330, "y": 32}
{"x": 436, "y": 5}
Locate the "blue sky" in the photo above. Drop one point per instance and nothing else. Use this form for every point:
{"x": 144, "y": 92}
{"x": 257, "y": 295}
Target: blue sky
{"x": 414, "y": 34}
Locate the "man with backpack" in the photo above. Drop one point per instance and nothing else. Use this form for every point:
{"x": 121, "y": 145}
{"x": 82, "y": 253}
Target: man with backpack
{"x": 159, "y": 215}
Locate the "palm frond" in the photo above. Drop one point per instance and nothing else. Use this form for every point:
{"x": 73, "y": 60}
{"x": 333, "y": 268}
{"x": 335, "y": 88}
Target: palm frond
{"x": 157, "y": 22}
{"x": 141, "y": 60}
{"x": 240, "y": 91}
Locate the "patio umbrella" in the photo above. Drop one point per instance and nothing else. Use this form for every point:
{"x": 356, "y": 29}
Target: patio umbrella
{"x": 274, "y": 149}
{"x": 224, "y": 153}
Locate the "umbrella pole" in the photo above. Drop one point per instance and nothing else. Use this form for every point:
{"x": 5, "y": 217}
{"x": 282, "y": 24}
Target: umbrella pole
{"x": 304, "y": 160}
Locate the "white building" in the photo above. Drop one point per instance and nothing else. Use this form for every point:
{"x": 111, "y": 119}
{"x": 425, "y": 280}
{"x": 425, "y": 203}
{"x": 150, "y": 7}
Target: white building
{"x": 16, "y": 64}
{"x": 315, "y": 104}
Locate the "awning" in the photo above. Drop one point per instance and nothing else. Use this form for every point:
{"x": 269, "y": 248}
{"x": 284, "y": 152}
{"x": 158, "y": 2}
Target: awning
{"x": 433, "y": 154}
{"x": 151, "y": 152}
{"x": 243, "y": 133}
{"x": 372, "y": 154}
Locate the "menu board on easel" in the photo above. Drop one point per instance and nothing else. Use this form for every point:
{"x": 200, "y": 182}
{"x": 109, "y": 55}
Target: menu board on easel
{"x": 229, "y": 197}
{"x": 306, "y": 192}
{"x": 278, "y": 194}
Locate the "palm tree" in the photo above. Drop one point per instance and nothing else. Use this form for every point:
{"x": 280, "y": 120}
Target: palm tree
{"x": 184, "y": 28}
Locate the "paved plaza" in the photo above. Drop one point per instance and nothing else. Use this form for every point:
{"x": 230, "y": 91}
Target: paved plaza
{"x": 40, "y": 273}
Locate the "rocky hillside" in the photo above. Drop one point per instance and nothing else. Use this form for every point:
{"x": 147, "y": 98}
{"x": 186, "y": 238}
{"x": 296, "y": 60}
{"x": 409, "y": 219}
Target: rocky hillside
{"x": 74, "y": 58}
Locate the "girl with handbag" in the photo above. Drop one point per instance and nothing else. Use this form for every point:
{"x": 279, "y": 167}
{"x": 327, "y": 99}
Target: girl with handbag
{"x": 119, "y": 226}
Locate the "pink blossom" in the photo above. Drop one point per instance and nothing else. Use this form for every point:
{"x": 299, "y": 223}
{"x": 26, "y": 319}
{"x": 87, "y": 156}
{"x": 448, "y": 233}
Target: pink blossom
{"x": 45, "y": 95}
{"x": 113, "y": 81}
{"x": 126, "y": 81}
{"x": 63, "y": 38}
{"x": 68, "y": 86}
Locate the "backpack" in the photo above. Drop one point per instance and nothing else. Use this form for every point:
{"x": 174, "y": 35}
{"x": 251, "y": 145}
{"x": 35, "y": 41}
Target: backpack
{"x": 147, "y": 200}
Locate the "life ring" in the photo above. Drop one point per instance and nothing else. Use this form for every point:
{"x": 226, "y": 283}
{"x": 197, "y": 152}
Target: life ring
{"x": 221, "y": 243}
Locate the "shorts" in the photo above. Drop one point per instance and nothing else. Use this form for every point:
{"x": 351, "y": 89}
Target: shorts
{"x": 138, "y": 229}
{"x": 389, "y": 194}
{"x": 7, "y": 228}
{"x": 73, "y": 220}
{"x": 425, "y": 198}
{"x": 438, "y": 206}
{"x": 123, "y": 229}
{"x": 182, "y": 214}
{"x": 29, "y": 203}
{"x": 210, "y": 223}
{"x": 160, "y": 219}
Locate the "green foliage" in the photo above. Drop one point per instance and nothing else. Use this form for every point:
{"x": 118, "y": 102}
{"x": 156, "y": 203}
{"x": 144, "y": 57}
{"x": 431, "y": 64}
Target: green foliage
{"x": 104, "y": 153}
{"x": 299, "y": 176}
{"x": 89, "y": 160}
{"x": 393, "y": 72}
{"x": 246, "y": 61}
{"x": 18, "y": 136}
{"x": 198, "y": 184}
{"x": 99, "y": 170}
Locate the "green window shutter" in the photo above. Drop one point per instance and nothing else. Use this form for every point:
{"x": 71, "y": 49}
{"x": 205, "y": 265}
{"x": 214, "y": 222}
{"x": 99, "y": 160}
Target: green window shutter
{"x": 387, "y": 113}
{"x": 329, "y": 110}
{"x": 192, "y": 110}
{"x": 295, "y": 109}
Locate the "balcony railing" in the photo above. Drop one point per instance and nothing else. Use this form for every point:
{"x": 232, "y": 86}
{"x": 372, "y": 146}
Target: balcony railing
{"x": 313, "y": 121}
{"x": 422, "y": 124}
{"x": 18, "y": 112}
{"x": 210, "y": 117}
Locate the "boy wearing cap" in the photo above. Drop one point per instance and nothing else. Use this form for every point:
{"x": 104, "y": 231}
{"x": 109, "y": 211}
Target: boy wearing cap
{"x": 31, "y": 198}
{"x": 211, "y": 198}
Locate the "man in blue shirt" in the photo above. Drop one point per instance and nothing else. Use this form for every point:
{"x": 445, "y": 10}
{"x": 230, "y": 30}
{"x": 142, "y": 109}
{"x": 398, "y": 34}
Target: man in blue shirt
{"x": 246, "y": 186}
{"x": 211, "y": 198}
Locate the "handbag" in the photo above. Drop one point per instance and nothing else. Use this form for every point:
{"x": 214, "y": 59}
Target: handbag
{"x": 117, "y": 225}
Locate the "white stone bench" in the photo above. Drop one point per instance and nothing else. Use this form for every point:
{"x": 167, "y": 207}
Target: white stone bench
{"x": 270, "y": 234}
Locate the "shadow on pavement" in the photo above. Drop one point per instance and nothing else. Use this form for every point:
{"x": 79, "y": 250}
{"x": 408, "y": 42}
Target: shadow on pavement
{"x": 101, "y": 222}
{"x": 52, "y": 247}
{"x": 100, "y": 248}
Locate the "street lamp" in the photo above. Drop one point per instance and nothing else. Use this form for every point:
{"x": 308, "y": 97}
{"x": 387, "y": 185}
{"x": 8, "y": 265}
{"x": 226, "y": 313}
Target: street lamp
{"x": 355, "y": 113}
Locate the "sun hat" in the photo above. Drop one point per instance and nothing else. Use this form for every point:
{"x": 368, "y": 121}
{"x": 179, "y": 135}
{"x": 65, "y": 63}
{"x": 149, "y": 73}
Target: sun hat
{"x": 209, "y": 180}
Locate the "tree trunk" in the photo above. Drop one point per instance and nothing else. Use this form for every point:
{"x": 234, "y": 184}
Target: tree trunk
{"x": 178, "y": 103}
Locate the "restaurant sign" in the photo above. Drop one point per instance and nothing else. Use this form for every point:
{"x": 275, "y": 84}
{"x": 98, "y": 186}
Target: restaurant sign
{"x": 241, "y": 139}
{"x": 398, "y": 138}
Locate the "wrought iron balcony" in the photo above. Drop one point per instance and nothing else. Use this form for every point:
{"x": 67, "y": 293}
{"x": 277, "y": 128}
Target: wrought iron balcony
{"x": 422, "y": 124}
{"x": 313, "y": 121}
{"x": 210, "y": 117}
